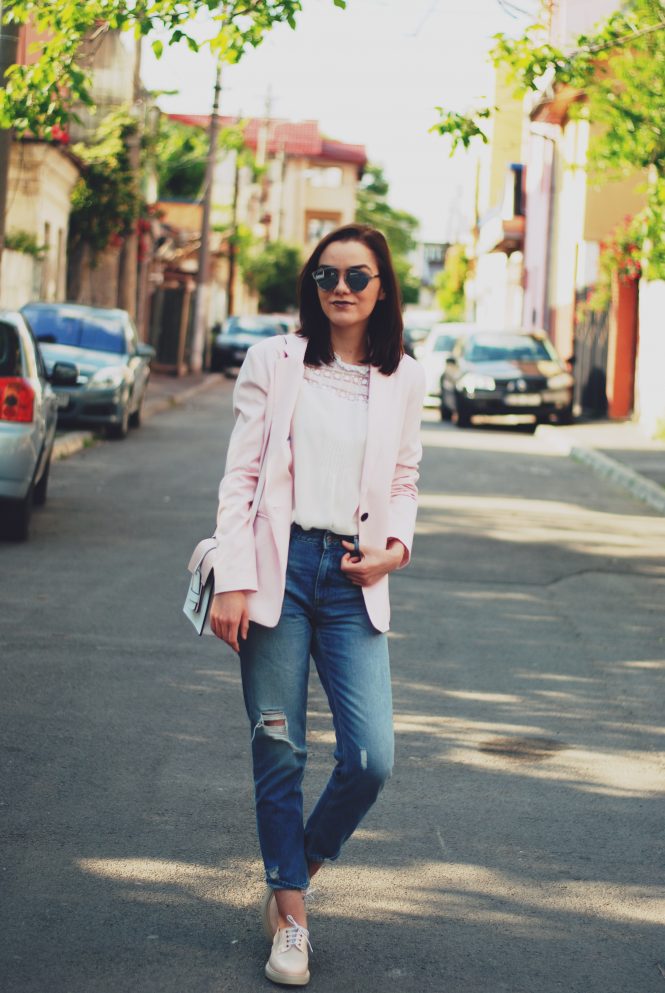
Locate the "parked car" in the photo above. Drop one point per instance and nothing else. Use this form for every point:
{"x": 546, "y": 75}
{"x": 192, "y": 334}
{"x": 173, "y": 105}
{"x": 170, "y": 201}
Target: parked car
{"x": 506, "y": 372}
{"x": 417, "y": 325}
{"x": 28, "y": 416}
{"x": 114, "y": 366}
{"x": 434, "y": 351}
{"x": 231, "y": 343}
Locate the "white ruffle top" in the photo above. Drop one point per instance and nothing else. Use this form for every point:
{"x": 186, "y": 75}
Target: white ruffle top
{"x": 328, "y": 437}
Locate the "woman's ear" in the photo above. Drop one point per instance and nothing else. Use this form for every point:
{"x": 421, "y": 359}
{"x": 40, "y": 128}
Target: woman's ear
{"x": 382, "y": 294}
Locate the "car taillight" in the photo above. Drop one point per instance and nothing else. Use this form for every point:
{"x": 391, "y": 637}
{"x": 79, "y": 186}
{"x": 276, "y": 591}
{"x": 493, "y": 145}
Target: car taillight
{"x": 17, "y": 399}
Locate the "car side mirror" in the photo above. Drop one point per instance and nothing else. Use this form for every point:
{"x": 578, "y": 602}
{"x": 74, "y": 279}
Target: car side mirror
{"x": 145, "y": 351}
{"x": 64, "y": 374}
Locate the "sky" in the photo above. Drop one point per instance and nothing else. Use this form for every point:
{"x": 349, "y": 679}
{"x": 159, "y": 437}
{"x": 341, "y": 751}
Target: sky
{"x": 372, "y": 74}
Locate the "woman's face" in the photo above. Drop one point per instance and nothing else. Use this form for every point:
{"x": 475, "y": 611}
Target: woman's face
{"x": 344, "y": 308}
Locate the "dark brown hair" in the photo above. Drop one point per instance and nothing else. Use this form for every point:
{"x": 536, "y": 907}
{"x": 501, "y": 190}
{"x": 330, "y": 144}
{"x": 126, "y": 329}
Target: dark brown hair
{"x": 384, "y": 330}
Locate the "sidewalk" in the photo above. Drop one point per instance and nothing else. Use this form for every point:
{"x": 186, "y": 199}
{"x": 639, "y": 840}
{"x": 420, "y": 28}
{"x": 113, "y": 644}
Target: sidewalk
{"x": 617, "y": 450}
{"x": 164, "y": 392}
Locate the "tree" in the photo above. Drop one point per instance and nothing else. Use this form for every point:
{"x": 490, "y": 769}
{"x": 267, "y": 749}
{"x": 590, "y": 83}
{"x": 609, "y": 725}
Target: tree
{"x": 616, "y": 76}
{"x": 398, "y": 226}
{"x": 106, "y": 201}
{"x": 41, "y": 95}
{"x": 273, "y": 273}
{"x": 180, "y": 152}
{"x": 450, "y": 282}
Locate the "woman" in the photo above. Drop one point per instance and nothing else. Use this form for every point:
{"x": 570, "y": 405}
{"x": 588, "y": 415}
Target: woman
{"x": 317, "y": 507}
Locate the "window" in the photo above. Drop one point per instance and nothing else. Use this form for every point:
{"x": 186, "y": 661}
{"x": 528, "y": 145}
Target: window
{"x": 328, "y": 176}
{"x": 319, "y": 227}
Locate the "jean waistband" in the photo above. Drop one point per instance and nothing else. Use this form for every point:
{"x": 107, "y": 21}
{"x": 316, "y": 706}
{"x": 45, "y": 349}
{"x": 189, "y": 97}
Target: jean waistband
{"x": 319, "y": 535}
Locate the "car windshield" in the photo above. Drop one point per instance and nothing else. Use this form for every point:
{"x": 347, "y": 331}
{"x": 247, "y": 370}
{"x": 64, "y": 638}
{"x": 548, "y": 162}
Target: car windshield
{"x": 444, "y": 343}
{"x": 261, "y": 329}
{"x": 69, "y": 327}
{"x": 508, "y": 348}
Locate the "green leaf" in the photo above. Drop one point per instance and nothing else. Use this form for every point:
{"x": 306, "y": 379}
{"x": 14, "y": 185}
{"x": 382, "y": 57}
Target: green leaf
{"x": 158, "y": 48}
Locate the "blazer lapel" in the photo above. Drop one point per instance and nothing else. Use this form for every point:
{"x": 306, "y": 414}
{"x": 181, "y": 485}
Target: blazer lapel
{"x": 288, "y": 376}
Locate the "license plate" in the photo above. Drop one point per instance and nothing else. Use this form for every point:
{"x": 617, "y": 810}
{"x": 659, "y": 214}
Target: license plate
{"x": 524, "y": 400}
{"x": 63, "y": 401}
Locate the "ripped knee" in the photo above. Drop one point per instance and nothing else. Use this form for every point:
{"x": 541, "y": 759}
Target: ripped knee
{"x": 274, "y": 724}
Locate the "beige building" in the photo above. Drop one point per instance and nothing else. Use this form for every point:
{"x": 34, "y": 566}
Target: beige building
{"x": 307, "y": 188}
{"x": 495, "y": 294}
{"x": 41, "y": 179}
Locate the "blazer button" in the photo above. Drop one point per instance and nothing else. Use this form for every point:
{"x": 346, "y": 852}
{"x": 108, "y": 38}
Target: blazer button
{"x": 363, "y": 517}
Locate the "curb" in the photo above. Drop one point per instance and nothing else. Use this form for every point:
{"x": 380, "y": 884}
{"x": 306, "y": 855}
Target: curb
{"x": 75, "y": 441}
{"x": 616, "y": 472}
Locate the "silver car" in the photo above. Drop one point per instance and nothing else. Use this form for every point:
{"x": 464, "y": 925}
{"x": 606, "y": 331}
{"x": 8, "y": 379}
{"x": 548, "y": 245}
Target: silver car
{"x": 28, "y": 416}
{"x": 114, "y": 366}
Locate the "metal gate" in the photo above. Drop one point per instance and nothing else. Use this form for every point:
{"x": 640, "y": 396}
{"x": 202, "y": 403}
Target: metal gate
{"x": 590, "y": 371}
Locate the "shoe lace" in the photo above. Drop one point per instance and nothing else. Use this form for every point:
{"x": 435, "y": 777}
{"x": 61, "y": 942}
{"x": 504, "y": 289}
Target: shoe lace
{"x": 296, "y": 935}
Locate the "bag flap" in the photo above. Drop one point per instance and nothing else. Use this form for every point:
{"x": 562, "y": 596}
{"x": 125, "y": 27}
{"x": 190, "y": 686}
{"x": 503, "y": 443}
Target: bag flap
{"x": 198, "y": 559}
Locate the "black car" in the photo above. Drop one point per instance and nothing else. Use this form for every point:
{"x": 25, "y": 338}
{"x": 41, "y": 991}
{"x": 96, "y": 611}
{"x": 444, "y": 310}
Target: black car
{"x": 230, "y": 345}
{"x": 506, "y": 372}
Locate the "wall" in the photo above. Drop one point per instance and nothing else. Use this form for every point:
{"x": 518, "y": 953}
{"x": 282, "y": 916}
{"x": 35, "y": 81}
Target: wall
{"x": 20, "y": 279}
{"x": 41, "y": 179}
{"x": 571, "y": 18}
{"x": 650, "y": 371}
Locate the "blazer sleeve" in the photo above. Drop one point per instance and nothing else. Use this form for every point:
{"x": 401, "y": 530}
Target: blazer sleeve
{"x": 234, "y": 559}
{"x": 404, "y": 489}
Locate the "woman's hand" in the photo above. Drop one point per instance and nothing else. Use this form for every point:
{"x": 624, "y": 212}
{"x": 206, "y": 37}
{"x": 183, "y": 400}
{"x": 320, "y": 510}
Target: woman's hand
{"x": 375, "y": 562}
{"x": 229, "y": 618}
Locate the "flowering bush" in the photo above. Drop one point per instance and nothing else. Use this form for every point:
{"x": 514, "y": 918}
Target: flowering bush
{"x": 621, "y": 253}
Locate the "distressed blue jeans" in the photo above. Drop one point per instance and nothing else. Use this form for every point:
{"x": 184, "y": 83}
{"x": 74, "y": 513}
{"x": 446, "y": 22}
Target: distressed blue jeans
{"x": 323, "y": 616}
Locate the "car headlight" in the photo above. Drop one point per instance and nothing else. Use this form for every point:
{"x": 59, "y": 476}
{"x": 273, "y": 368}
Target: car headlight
{"x": 560, "y": 381}
{"x": 472, "y": 381}
{"x": 110, "y": 378}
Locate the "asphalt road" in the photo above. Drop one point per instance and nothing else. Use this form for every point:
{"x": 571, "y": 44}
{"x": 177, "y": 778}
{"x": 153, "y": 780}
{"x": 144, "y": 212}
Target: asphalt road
{"x": 519, "y": 846}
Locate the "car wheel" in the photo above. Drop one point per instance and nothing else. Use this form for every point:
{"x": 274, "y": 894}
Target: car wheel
{"x": 120, "y": 431}
{"x": 16, "y": 524}
{"x": 463, "y": 414}
{"x": 565, "y": 416}
{"x": 136, "y": 418}
{"x": 42, "y": 486}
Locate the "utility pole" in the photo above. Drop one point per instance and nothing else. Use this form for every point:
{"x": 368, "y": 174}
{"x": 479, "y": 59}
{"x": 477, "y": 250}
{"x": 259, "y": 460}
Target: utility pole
{"x": 233, "y": 248}
{"x": 8, "y": 49}
{"x": 262, "y": 160}
{"x": 128, "y": 268}
{"x": 203, "y": 277}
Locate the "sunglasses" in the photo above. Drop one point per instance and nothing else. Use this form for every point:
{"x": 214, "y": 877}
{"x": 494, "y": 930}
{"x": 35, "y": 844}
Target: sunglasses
{"x": 326, "y": 278}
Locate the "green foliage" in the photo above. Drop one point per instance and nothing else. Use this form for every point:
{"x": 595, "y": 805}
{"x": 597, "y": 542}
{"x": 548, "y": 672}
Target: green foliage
{"x": 461, "y": 128}
{"x": 273, "y": 273}
{"x": 450, "y": 282}
{"x": 180, "y": 158}
{"x": 408, "y": 283}
{"x": 618, "y": 74}
{"x": 106, "y": 201}
{"x": 398, "y": 226}
{"x": 26, "y": 243}
{"x": 180, "y": 152}
{"x": 40, "y": 95}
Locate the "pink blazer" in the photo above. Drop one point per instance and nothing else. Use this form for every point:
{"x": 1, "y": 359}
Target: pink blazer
{"x": 254, "y": 557}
